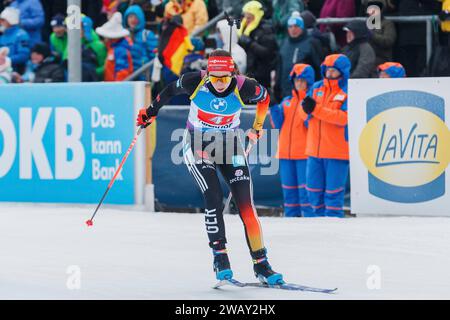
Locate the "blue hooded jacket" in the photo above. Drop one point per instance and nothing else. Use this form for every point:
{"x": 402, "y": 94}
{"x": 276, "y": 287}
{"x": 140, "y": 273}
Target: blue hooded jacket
{"x": 18, "y": 42}
{"x": 31, "y": 18}
{"x": 144, "y": 41}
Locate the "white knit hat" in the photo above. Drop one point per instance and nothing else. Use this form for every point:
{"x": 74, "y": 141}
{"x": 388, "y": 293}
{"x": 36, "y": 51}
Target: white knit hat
{"x": 12, "y": 15}
{"x": 113, "y": 29}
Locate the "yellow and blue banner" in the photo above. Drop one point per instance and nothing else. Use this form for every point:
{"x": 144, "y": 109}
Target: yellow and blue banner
{"x": 400, "y": 146}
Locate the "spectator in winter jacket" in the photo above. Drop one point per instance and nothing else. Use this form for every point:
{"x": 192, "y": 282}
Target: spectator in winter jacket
{"x": 327, "y": 139}
{"x": 93, "y": 50}
{"x": 321, "y": 41}
{"x": 43, "y": 66}
{"x": 15, "y": 38}
{"x": 31, "y": 18}
{"x": 391, "y": 70}
{"x": 382, "y": 39}
{"x": 58, "y": 38}
{"x": 257, "y": 38}
{"x": 337, "y": 9}
{"x": 145, "y": 42}
{"x": 282, "y": 11}
{"x": 193, "y": 12}
{"x": 5, "y": 66}
{"x": 290, "y": 119}
{"x": 359, "y": 51}
{"x": 238, "y": 53}
{"x": 92, "y": 47}
{"x": 297, "y": 48}
{"x": 153, "y": 11}
{"x": 119, "y": 63}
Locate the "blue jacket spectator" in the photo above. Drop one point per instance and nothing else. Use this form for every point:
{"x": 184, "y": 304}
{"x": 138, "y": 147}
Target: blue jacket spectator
{"x": 296, "y": 48}
{"x": 31, "y": 18}
{"x": 15, "y": 38}
{"x": 144, "y": 41}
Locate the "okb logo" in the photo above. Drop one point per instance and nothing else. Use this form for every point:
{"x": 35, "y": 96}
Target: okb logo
{"x": 405, "y": 146}
{"x": 69, "y": 154}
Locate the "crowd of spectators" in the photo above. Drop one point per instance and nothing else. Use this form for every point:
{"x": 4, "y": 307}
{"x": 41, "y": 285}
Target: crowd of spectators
{"x": 120, "y": 36}
{"x": 280, "y": 43}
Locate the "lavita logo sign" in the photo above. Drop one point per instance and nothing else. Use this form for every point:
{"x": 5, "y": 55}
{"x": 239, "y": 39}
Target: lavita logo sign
{"x": 405, "y": 146}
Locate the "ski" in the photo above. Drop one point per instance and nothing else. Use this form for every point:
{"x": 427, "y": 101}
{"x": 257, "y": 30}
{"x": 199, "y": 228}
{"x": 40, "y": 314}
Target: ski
{"x": 231, "y": 282}
{"x": 289, "y": 286}
{"x": 284, "y": 286}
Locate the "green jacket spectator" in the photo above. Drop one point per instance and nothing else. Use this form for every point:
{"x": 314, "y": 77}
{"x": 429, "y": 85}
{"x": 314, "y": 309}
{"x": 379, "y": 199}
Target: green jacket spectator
{"x": 90, "y": 41}
{"x": 58, "y": 38}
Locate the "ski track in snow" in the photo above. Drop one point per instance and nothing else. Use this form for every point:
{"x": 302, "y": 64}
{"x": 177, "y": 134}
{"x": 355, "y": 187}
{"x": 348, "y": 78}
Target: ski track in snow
{"x": 130, "y": 254}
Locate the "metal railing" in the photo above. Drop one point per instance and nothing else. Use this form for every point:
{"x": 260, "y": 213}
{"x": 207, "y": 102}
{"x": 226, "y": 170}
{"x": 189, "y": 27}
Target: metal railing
{"x": 410, "y": 19}
{"x": 208, "y": 25}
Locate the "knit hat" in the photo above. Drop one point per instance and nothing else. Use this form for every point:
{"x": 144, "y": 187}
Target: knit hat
{"x": 42, "y": 48}
{"x": 58, "y": 21}
{"x": 12, "y": 15}
{"x": 296, "y": 20}
{"x": 113, "y": 29}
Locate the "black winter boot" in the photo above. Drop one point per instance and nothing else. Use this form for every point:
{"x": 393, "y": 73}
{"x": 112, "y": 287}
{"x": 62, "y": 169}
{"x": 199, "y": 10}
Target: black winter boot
{"x": 263, "y": 270}
{"x": 221, "y": 263}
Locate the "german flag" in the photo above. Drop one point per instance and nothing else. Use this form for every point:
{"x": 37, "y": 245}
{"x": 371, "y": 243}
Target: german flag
{"x": 174, "y": 45}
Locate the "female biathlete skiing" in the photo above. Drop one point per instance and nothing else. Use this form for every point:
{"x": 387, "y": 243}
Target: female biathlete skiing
{"x": 217, "y": 97}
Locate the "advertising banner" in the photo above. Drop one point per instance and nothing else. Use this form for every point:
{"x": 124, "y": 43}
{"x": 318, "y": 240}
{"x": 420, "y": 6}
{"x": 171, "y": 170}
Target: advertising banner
{"x": 62, "y": 143}
{"x": 175, "y": 187}
{"x": 400, "y": 146}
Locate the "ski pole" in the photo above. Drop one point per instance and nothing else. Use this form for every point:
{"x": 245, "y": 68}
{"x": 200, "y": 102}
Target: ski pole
{"x": 246, "y": 153}
{"x": 90, "y": 222}
{"x": 230, "y": 23}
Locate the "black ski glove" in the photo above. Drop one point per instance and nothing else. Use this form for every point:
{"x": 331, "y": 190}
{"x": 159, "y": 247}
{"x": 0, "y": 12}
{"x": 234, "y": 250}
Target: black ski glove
{"x": 308, "y": 104}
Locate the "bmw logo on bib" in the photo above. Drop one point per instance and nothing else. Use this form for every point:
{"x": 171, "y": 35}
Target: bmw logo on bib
{"x": 218, "y": 104}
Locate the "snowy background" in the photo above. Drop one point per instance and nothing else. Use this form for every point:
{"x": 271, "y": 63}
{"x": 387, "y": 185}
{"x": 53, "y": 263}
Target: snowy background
{"x": 131, "y": 254}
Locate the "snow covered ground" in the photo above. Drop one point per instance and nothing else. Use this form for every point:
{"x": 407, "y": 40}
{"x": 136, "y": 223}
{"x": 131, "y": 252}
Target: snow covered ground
{"x": 129, "y": 254}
